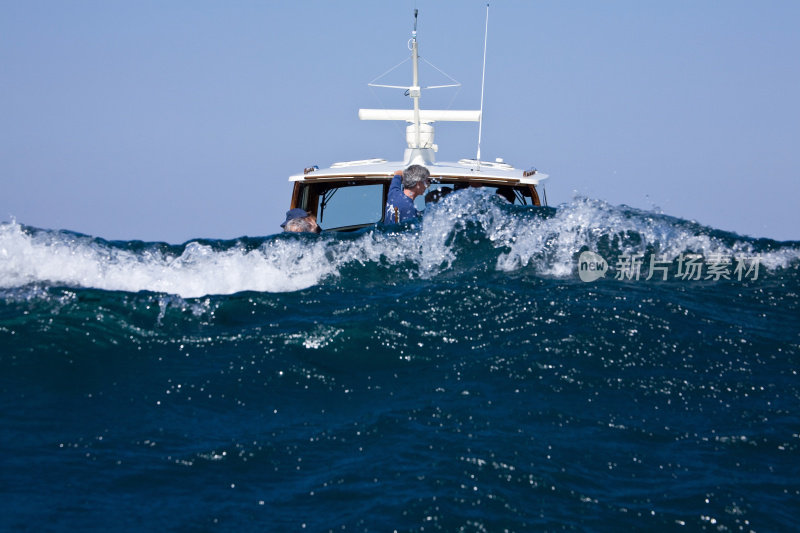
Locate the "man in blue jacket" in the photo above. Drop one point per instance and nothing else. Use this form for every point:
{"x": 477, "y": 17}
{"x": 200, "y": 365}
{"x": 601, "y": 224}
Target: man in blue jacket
{"x": 402, "y": 191}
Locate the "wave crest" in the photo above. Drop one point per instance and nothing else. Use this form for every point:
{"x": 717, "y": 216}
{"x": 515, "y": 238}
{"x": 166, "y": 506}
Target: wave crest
{"x": 468, "y": 231}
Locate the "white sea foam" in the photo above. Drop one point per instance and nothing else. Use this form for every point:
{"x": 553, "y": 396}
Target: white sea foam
{"x": 546, "y": 244}
{"x": 280, "y": 265}
{"x": 583, "y": 223}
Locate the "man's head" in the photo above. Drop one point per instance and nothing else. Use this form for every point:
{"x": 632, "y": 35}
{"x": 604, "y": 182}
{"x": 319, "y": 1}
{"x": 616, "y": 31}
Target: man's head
{"x": 416, "y": 178}
{"x": 302, "y": 225}
{"x": 300, "y": 221}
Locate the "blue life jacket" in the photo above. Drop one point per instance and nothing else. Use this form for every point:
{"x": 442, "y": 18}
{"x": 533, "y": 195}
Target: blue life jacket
{"x": 399, "y": 207}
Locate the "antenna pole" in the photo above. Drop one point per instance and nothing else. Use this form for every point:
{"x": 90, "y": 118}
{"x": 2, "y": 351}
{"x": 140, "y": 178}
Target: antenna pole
{"x": 414, "y": 92}
{"x": 483, "y": 83}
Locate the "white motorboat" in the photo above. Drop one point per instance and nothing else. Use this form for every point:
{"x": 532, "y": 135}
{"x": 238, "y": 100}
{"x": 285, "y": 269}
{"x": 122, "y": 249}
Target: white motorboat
{"x": 351, "y": 195}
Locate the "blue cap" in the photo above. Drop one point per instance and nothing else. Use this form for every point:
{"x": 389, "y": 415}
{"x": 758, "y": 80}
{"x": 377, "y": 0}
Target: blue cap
{"x": 292, "y": 214}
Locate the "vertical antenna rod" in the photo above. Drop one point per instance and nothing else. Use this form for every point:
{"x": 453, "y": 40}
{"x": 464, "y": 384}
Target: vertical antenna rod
{"x": 483, "y": 83}
{"x": 414, "y": 92}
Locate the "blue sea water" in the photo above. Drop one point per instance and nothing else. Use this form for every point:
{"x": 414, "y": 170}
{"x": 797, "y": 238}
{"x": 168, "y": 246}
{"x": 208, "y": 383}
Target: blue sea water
{"x": 452, "y": 375}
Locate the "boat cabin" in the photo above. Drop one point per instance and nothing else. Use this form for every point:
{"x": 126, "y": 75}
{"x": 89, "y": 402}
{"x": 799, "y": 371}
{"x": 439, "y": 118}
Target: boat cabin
{"x": 352, "y": 195}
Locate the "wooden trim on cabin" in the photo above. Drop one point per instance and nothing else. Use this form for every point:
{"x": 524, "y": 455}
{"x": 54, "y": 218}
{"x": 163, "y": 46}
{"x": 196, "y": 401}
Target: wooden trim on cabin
{"x": 295, "y": 195}
{"x": 534, "y": 195}
{"x": 305, "y": 194}
{"x": 312, "y": 200}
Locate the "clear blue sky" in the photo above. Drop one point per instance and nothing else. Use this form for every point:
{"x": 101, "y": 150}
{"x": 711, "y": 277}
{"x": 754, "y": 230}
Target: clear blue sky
{"x": 173, "y": 120}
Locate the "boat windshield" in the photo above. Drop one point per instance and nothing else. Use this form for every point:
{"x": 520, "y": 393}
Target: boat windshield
{"x": 343, "y": 207}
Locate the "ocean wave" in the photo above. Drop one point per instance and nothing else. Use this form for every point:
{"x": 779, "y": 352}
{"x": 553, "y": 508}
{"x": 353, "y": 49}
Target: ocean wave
{"x": 468, "y": 231}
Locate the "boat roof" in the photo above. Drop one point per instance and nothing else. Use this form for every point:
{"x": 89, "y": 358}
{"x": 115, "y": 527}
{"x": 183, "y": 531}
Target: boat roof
{"x": 463, "y": 170}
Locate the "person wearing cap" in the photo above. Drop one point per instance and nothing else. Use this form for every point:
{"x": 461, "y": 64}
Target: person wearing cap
{"x": 300, "y": 221}
{"x": 402, "y": 191}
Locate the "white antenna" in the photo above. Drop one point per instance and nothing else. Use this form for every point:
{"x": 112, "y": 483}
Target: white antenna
{"x": 419, "y": 132}
{"x": 483, "y": 83}
{"x": 414, "y": 91}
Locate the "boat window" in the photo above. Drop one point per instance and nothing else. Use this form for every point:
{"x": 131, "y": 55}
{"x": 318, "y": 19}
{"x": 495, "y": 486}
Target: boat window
{"x": 341, "y": 207}
{"x": 433, "y": 194}
{"x": 419, "y": 203}
{"x": 437, "y": 191}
